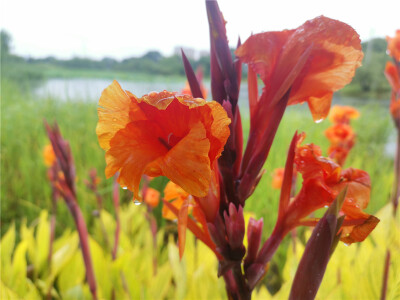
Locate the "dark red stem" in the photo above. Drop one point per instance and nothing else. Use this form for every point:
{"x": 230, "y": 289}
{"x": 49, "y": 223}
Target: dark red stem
{"x": 271, "y": 245}
{"x": 84, "y": 241}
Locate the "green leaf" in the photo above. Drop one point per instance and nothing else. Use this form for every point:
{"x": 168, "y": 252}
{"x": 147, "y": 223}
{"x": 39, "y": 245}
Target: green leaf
{"x": 42, "y": 242}
{"x": 18, "y": 275}
{"x": 161, "y": 283}
{"x": 101, "y": 265}
{"x": 72, "y": 274}
{"x": 7, "y": 247}
{"x": 178, "y": 270}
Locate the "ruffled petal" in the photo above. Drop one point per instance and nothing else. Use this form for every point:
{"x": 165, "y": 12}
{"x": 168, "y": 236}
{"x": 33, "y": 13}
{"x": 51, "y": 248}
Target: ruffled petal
{"x": 359, "y": 232}
{"x": 219, "y": 131}
{"x": 113, "y": 111}
{"x": 187, "y": 163}
{"x": 131, "y": 149}
{"x": 335, "y": 55}
{"x": 261, "y": 51}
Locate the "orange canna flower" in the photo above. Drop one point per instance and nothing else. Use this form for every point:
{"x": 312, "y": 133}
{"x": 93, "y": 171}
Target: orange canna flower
{"x": 394, "y": 46}
{"x": 314, "y": 60}
{"x": 343, "y": 114}
{"x": 277, "y": 178}
{"x": 48, "y": 155}
{"x": 392, "y": 75}
{"x": 176, "y": 195}
{"x": 178, "y": 204}
{"x": 152, "y": 197}
{"x": 323, "y": 180}
{"x": 342, "y": 138}
{"x": 340, "y": 133}
{"x": 395, "y": 109}
{"x": 161, "y": 134}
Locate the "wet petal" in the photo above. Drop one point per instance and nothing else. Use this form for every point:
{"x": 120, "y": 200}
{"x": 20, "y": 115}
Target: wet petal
{"x": 188, "y": 164}
{"x": 114, "y": 108}
{"x": 131, "y": 150}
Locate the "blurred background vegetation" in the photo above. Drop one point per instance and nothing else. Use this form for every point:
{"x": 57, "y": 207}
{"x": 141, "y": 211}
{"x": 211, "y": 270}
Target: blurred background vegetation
{"x": 367, "y": 83}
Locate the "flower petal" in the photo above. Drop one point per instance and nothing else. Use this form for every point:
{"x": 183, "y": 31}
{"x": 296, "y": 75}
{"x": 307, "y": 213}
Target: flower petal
{"x": 332, "y": 63}
{"x": 114, "y": 109}
{"x": 131, "y": 150}
{"x": 187, "y": 163}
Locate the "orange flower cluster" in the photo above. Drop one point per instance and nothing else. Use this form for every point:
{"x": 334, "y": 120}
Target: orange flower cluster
{"x": 341, "y": 134}
{"x": 323, "y": 180}
{"x": 392, "y": 72}
{"x": 161, "y": 134}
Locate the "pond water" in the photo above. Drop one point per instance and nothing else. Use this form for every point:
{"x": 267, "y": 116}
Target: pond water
{"x": 90, "y": 89}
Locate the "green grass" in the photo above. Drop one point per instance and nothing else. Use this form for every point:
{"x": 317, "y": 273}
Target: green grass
{"x": 25, "y": 189}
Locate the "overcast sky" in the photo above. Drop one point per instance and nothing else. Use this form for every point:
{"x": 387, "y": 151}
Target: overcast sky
{"x": 120, "y": 29}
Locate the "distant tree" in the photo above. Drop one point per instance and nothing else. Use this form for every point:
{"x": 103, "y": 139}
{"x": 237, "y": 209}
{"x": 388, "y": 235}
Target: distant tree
{"x": 5, "y": 42}
{"x": 369, "y": 80}
{"x": 153, "y": 56}
{"x": 108, "y": 62}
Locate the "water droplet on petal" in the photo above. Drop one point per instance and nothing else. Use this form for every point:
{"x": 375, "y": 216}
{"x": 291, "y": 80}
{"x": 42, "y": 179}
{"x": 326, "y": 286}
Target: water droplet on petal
{"x": 319, "y": 120}
{"x": 137, "y": 202}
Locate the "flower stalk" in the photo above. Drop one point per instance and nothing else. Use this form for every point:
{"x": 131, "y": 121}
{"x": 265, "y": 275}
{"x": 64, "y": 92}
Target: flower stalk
{"x": 66, "y": 187}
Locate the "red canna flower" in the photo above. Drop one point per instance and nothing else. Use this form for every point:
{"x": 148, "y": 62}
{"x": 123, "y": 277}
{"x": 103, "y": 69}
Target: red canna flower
{"x": 343, "y": 114}
{"x": 340, "y": 133}
{"x": 394, "y": 46}
{"x": 306, "y": 64}
{"x": 323, "y": 180}
{"x": 315, "y": 60}
{"x": 342, "y": 139}
{"x": 161, "y": 134}
{"x": 392, "y": 74}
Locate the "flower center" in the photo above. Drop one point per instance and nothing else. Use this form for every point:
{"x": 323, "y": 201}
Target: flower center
{"x": 170, "y": 141}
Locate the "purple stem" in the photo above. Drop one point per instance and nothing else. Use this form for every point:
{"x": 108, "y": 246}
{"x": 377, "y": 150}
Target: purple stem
{"x": 270, "y": 246}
